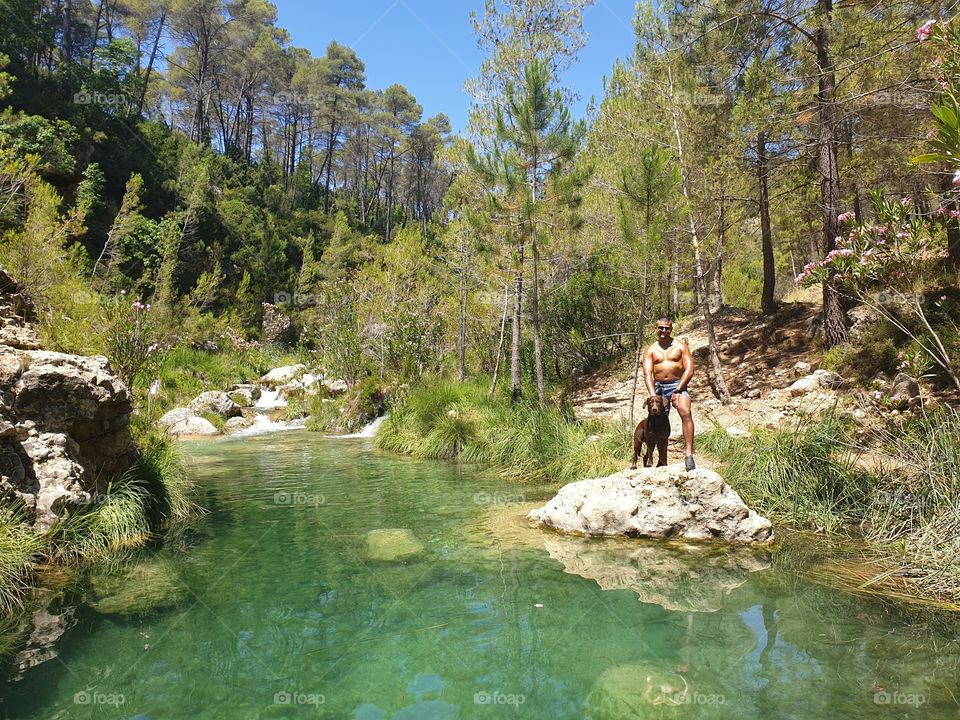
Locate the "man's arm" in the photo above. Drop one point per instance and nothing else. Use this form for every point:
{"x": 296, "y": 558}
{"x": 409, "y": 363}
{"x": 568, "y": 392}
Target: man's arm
{"x": 687, "y": 358}
{"x": 648, "y": 371}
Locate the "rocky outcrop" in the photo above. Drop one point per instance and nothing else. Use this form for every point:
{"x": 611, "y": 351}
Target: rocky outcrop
{"x": 64, "y": 419}
{"x": 664, "y": 502}
{"x": 245, "y": 394}
{"x": 905, "y": 393}
{"x": 819, "y": 379}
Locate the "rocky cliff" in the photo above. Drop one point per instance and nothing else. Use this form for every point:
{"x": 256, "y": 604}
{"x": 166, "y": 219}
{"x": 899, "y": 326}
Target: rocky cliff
{"x": 64, "y": 419}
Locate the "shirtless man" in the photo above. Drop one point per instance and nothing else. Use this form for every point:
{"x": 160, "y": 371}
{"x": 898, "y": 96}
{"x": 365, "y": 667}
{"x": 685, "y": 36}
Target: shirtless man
{"x": 667, "y": 369}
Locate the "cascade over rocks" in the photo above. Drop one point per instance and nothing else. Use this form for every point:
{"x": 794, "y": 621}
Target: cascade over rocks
{"x": 663, "y": 502}
{"x": 64, "y": 419}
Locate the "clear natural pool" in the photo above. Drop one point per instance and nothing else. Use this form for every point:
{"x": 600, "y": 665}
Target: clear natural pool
{"x": 275, "y": 610}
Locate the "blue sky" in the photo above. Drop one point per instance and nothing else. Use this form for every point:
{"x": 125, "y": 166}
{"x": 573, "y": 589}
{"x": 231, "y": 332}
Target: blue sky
{"x": 429, "y": 47}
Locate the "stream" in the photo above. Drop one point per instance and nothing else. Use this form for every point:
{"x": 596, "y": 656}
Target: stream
{"x": 281, "y": 604}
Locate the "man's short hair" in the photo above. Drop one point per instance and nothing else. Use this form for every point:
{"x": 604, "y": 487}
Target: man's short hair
{"x": 664, "y": 319}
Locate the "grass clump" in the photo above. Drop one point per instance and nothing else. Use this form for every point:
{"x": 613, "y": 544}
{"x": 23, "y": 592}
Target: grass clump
{"x": 908, "y": 513}
{"x": 19, "y": 546}
{"x": 449, "y": 420}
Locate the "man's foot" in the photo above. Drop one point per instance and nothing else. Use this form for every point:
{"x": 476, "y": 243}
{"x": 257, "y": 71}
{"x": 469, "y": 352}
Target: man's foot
{"x": 688, "y": 463}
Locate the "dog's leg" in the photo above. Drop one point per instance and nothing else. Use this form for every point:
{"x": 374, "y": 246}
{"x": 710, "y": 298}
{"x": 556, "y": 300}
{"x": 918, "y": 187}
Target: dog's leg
{"x": 661, "y": 452}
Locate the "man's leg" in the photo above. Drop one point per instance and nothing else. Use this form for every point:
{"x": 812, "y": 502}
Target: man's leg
{"x": 682, "y": 404}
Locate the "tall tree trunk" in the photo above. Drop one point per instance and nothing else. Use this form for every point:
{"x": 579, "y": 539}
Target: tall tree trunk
{"x": 638, "y": 338}
{"x": 503, "y": 327}
{"x": 516, "y": 388}
{"x": 675, "y": 278}
{"x": 462, "y": 344}
{"x": 768, "y": 303}
{"x": 835, "y": 321}
{"x": 953, "y": 226}
{"x": 718, "y": 257}
{"x": 721, "y": 384}
{"x": 153, "y": 58}
{"x": 66, "y": 50}
{"x": 535, "y": 294}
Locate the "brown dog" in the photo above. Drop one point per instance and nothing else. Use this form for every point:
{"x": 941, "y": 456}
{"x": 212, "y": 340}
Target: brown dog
{"x": 653, "y": 430}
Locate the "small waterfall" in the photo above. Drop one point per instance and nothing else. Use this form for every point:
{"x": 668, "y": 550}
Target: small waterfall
{"x": 270, "y": 400}
{"x": 368, "y": 431}
{"x": 263, "y": 425}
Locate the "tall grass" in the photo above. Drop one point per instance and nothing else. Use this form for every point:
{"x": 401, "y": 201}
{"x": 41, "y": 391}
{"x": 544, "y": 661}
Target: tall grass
{"x": 908, "y": 511}
{"x": 449, "y": 420}
{"x": 18, "y": 548}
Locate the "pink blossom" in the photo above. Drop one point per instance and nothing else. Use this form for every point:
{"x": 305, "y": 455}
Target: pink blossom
{"x": 900, "y": 355}
{"x": 931, "y": 135}
{"x": 925, "y": 30}
{"x": 942, "y": 298}
{"x": 906, "y": 202}
{"x": 843, "y": 217}
{"x": 956, "y": 177}
{"x": 938, "y": 61}
{"x": 954, "y": 214}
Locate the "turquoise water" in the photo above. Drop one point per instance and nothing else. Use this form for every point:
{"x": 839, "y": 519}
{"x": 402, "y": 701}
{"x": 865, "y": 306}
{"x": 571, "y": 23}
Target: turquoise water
{"x": 275, "y": 609}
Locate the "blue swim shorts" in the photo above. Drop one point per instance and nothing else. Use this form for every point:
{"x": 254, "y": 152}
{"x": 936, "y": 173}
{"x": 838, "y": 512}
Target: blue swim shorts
{"x": 667, "y": 389}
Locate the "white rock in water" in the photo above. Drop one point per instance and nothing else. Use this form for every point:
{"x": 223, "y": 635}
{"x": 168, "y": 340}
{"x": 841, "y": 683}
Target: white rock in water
{"x": 181, "y": 421}
{"x": 393, "y": 545}
{"x": 664, "y": 502}
{"x": 215, "y": 402}
{"x": 283, "y": 375}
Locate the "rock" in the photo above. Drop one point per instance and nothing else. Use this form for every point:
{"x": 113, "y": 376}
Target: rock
{"x": 218, "y": 403}
{"x": 752, "y": 394}
{"x": 64, "y": 419}
{"x": 801, "y": 369}
{"x": 815, "y": 381}
{"x": 137, "y": 589}
{"x": 665, "y": 502}
{"x": 282, "y": 375}
{"x": 238, "y": 423}
{"x": 291, "y": 391}
{"x": 644, "y": 691}
{"x": 245, "y": 395}
{"x": 734, "y": 431}
{"x": 182, "y": 421}
{"x": 336, "y": 387}
{"x": 804, "y": 385}
{"x": 906, "y": 391}
{"x": 830, "y": 380}
{"x": 393, "y": 545}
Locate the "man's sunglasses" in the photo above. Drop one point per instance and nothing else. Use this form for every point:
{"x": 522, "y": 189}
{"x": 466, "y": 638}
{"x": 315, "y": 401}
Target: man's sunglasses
{"x": 664, "y": 327}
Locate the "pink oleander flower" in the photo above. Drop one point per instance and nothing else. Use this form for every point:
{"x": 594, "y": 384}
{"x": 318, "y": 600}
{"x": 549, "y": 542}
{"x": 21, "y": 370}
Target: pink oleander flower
{"x": 954, "y": 214}
{"x": 931, "y": 135}
{"x": 956, "y": 177}
{"x": 843, "y": 217}
{"x": 942, "y": 298}
{"x": 925, "y": 30}
{"x": 944, "y": 86}
{"x": 938, "y": 61}
{"x": 943, "y": 212}
{"x": 900, "y": 355}
{"x": 906, "y": 202}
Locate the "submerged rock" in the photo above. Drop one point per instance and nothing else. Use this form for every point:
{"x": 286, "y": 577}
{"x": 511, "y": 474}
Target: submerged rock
{"x": 641, "y": 691}
{"x": 393, "y": 545}
{"x": 137, "y": 589}
{"x": 663, "y": 502}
